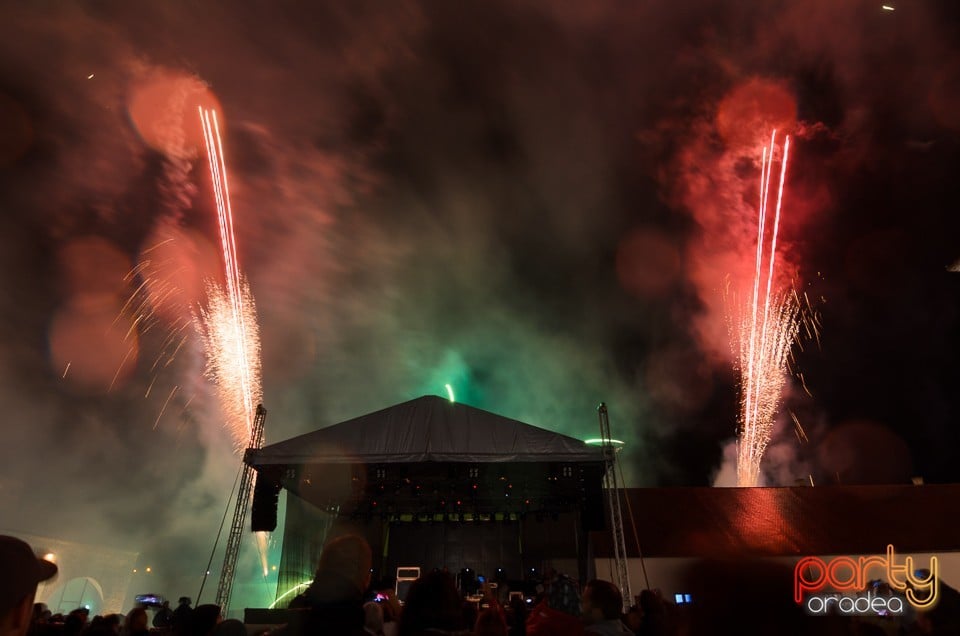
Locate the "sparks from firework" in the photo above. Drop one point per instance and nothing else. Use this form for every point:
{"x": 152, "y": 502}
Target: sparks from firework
{"x": 228, "y": 323}
{"x": 765, "y": 333}
{"x": 151, "y": 292}
{"x": 227, "y": 352}
{"x": 225, "y": 355}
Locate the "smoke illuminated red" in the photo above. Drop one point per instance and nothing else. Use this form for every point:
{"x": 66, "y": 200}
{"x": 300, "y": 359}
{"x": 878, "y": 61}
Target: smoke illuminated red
{"x": 160, "y": 107}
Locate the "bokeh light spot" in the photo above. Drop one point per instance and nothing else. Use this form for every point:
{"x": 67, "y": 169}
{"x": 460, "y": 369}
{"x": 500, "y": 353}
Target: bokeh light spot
{"x": 93, "y": 347}
{"x": 173, "y": 264}
{"x": 163, "y": 110}
{"x": 92, "y": 265}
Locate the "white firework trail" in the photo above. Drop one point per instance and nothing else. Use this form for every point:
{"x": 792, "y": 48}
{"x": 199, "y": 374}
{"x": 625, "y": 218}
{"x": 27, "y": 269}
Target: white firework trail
{"x": 765, "y": 335}
{"x": 229, "y": 323}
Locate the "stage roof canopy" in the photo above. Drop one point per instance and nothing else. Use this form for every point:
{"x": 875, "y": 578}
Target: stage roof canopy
{"x": 426, "y": 429}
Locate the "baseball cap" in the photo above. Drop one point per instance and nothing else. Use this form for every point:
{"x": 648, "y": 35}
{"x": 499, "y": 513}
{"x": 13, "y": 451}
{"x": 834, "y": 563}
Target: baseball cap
{"x": 20, "y": 571}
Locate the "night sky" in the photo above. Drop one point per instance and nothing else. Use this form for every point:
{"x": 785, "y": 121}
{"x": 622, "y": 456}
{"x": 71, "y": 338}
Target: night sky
{"x": 540, "y": 203}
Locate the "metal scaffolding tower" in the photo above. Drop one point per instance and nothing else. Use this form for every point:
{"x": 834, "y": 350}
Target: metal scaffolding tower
{"x": 227, "y": 574}
{"x": 613, "y": 487}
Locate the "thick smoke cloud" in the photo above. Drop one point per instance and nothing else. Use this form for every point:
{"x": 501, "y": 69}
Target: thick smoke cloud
{"x": 537, "y": 203}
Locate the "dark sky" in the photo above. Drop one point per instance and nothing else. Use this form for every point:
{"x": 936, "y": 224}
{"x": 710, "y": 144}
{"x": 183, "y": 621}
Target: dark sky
{"x": 540, "y": 203}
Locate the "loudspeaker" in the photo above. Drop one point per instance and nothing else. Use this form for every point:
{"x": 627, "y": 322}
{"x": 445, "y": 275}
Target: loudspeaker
{"x": 405, "y": 578}
{"x": 593, "y": 514}
{"x": 263, "y": 511}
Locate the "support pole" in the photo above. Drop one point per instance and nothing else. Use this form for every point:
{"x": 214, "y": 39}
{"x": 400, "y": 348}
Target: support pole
{"x": 229, "y": 570}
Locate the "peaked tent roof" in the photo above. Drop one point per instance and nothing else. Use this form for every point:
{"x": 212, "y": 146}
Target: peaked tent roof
{"x": 426, "y": 429}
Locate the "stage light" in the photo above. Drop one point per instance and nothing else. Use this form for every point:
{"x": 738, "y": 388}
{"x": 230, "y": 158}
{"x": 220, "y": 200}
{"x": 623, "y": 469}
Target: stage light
{"x": 292, "y": 590}
{"x": 596, "y": 441}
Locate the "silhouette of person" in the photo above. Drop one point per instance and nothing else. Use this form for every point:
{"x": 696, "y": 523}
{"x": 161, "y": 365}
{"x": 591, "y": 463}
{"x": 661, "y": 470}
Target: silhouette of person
{"x": 333, "y": 604}
{"x": 20, "y": 573}
{"x": 600, "y": 608}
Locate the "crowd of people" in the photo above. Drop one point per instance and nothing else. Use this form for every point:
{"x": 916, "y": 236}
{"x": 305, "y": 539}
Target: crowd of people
{"x": 203, "y": 620}
{"x": 743, "y": 598}
{"x": 336, "y": 602}
{"x": 341, "y": 601}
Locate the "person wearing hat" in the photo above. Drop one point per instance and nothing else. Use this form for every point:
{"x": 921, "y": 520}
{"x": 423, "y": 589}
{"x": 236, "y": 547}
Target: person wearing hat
{"x": 20, "y": 573}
